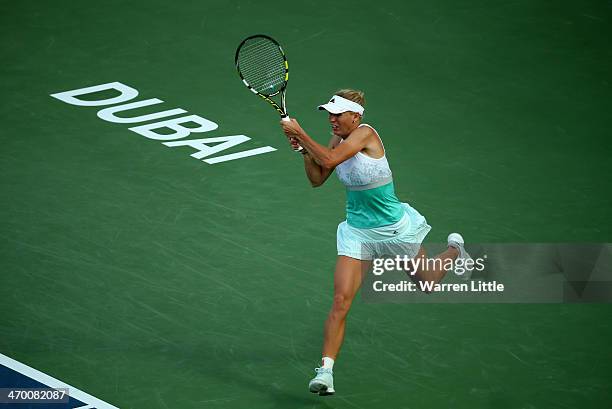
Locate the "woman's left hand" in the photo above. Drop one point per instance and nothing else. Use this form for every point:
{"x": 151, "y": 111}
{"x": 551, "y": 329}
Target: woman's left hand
{"x": 292, "y": 128}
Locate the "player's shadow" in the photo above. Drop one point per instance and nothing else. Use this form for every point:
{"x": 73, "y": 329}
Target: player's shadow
{"x": 220, "y": 365}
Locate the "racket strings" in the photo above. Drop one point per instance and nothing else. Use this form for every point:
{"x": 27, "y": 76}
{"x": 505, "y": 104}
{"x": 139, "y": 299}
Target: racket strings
{"x": 262, "y": 65}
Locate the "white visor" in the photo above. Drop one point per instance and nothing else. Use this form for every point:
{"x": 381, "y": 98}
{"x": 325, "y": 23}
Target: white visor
{"x": 338, "y": 105}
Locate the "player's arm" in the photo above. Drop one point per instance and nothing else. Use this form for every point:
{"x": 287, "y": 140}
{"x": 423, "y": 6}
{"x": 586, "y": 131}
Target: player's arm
{"x": 324, "y": 156}
{"x": 316, "y": 173}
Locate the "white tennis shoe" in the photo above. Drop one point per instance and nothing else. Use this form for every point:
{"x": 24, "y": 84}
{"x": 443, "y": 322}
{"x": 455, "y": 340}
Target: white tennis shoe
{"x": 465, "y": 272}
{"x": 323, "y": 383}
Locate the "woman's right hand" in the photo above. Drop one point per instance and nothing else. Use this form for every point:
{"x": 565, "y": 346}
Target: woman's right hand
{"x": 293, "y": 142}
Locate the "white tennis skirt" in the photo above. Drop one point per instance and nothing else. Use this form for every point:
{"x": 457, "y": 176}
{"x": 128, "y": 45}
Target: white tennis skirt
{"x": 401, "y": 238}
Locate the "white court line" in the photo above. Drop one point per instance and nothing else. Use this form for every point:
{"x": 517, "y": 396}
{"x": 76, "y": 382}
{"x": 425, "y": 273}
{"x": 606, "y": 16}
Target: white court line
{"x": 91, "y": 402}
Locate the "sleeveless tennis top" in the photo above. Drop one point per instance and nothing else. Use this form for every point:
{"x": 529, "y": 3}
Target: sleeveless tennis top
{"x": 370, "y": 193}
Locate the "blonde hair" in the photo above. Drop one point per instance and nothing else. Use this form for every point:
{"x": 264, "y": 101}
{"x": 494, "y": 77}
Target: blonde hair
{"x": 352, "y": 95}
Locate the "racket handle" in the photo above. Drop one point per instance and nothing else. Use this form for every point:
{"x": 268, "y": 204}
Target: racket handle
{"x": 299, "y": 148}
{"x": 287, "y": 119}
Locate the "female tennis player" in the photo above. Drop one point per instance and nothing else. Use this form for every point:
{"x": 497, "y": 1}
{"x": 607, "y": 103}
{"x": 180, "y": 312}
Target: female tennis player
{"x": 376, "y": 221}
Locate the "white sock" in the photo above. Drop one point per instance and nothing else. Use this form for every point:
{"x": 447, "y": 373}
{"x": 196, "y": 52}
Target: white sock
{"x": 328, "y": 362}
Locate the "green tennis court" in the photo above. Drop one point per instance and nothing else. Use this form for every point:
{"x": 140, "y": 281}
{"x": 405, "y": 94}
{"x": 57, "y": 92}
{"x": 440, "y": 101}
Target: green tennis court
{"x": 149, "y": 278}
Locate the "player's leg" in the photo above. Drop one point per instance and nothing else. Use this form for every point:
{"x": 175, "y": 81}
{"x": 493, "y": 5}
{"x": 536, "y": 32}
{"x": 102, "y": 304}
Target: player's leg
{"x": 347, "y": 280}
{"x": 433, "y": 269}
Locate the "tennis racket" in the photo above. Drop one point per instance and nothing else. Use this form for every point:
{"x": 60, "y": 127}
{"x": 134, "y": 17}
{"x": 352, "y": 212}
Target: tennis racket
{"x": 263, "y": 68}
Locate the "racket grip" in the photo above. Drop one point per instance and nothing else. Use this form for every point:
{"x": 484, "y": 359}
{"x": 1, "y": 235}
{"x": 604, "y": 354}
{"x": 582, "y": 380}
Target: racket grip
{"x": 299, "y": 147}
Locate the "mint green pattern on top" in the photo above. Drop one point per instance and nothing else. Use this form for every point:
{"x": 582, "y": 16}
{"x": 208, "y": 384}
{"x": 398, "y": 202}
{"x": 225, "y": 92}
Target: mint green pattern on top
{"x": 377, "y": 207}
